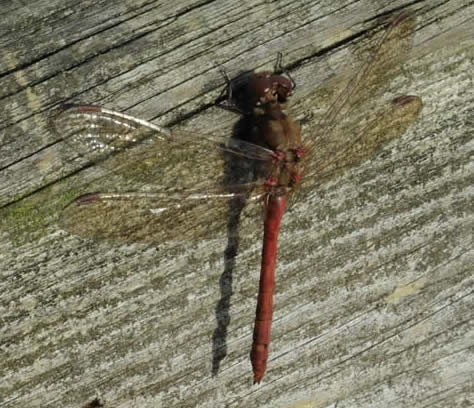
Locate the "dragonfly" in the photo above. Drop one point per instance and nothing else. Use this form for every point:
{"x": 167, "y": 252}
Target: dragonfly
{"x": 182, "y": 185}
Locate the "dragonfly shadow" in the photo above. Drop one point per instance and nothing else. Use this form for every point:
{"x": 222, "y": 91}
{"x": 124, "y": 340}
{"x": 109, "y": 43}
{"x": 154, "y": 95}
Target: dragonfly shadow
{"x": 235, "y": 174}
{"x": 219, "y": 338}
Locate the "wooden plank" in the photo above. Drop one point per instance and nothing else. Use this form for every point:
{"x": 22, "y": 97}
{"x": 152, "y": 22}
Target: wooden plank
{"x": 373, "y": 301}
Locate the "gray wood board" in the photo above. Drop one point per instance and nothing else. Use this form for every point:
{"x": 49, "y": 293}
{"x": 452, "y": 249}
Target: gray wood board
{"x": 373, "y": 304}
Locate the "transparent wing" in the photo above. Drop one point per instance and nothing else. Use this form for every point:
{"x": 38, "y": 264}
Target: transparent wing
{"x": 386, "y": 124}
{"x": 355, "y": 126}
{"x": 181, "y": 184}
{"x": 384, "y": 54}
{"x": 159, "y": 217}
{"x": 146, "y": 154}
{"x": 97, "y": 132}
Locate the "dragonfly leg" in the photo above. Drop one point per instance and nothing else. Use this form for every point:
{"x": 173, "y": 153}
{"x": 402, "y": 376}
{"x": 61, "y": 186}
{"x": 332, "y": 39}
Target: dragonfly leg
{"x": 279, "y": 68}
{"x": 225, "y": 99}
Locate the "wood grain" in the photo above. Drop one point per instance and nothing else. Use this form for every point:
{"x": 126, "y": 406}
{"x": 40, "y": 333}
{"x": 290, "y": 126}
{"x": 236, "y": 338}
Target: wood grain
{"x": 373, "y": 301}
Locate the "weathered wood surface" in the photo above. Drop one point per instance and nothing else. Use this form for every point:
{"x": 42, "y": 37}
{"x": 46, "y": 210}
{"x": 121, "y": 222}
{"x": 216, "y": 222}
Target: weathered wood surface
{"x": 374, "y": 283}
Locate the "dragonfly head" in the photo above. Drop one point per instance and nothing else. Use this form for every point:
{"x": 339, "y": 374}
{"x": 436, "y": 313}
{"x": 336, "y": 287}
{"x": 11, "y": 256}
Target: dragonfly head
{"x": 268, "y": 87}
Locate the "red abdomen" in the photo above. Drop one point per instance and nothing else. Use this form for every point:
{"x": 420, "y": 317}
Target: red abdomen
{"x": 274, "y": 209}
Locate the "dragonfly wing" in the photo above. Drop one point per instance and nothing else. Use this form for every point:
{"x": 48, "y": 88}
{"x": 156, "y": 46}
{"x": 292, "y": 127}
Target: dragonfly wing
{"x": 366, "y": 139}
{"x": 355, "y": 127}
{"x": 146, "y": 154}
{"x": 157, "y": 217}
{"x": 380, "y": 57}
{"x": 96, "y": 132}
